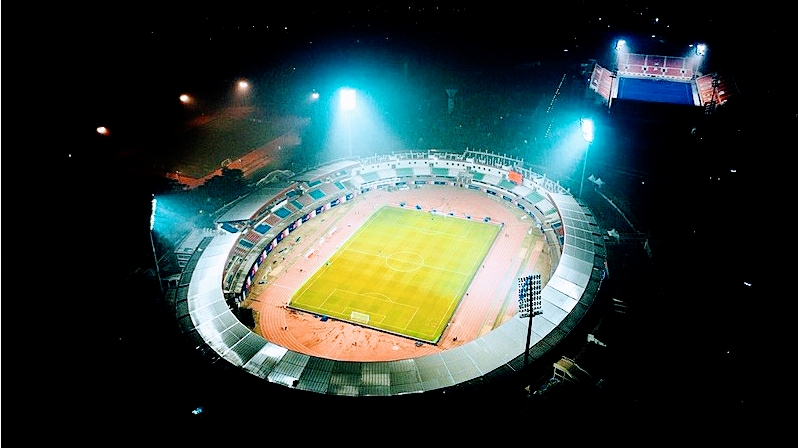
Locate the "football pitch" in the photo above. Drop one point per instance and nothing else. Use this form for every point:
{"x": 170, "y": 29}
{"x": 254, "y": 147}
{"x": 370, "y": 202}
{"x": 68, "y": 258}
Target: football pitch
{"x": 404, "y": 272}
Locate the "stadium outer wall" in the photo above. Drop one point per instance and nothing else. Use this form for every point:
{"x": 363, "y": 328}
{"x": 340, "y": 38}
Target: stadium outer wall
{"x": 206, "y": 317}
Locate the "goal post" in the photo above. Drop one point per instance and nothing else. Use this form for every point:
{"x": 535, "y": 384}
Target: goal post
{"x": 361, "y": 318}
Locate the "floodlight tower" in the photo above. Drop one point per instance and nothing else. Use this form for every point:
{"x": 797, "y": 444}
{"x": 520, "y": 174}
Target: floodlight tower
{"x": 242, "y": 92}
{"x": 621, "y": 52}
{"x": 450, "y": 93}
{"x": 621, "y": 58}
{"x": 587, "y": 134}
{"x": 529, "y": 304}
{"x": 348, "y": 104}
{"x": 698, "y": 58}
{"x": 152, "y": 242}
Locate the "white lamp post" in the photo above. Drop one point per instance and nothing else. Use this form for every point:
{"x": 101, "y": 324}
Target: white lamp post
{"x": 152, "y": 242}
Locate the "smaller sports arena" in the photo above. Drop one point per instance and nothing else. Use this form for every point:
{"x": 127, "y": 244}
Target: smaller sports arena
{"x": 632, "y": 80}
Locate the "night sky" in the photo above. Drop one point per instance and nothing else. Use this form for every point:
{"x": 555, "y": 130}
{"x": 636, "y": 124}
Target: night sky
{"x": 125, "y": 67}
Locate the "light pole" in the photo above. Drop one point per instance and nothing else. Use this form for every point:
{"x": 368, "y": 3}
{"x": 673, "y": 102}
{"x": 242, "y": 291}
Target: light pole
{"x": 621, "y": 57}
{"x": 152, "y": 243}
{"x": 349, "y": 131}
{"x": 529, "y": 305}
{"x": 241, "y": 95}
{"x": 348, "y": 104}
{"x": 587, "y": 134}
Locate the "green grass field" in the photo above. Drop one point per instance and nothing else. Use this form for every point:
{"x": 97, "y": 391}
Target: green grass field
{"x": 404, "y": 272}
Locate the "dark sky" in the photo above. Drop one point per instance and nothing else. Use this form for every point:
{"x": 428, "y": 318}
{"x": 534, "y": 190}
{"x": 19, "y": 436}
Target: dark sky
{"x": 124, "y": 66}
{"x": 121, "y": 63}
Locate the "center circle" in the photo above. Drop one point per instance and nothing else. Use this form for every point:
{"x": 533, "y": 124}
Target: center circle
{"x": 404, "y": 261}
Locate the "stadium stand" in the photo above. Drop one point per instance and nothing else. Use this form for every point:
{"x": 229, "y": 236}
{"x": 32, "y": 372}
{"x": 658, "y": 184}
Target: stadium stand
{"x": 272, "y": 220}
{"x": 206, "y": 317}
{"x": 262, "y": 228}
{"x": 716, "y": 89}
{"x": 330, "y": 190}
{"x": 317, "y": 194}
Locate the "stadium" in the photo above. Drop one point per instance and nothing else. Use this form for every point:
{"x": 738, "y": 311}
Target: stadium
{"x": 236, "y": 298}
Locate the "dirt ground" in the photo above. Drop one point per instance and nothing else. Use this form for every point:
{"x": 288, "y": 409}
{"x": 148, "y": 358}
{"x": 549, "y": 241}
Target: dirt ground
{"x": 490, "y": 300}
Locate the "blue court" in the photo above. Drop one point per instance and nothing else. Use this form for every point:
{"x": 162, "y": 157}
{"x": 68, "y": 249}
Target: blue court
{"x": 655, "y": 90}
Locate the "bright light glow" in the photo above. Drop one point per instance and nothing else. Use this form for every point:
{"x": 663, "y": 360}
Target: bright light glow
{"x": 185, "y": 99}
{"x": 152, "y": 215}
{"x": 701, "y": 49}
{"x": 243, "y": 85}
{"x": 587, "y": 129}
{"x": 102, "y": 130}
{"x": 348, "y": 99}
{"x": 314, "y": 96}
{"x": 620, "y": 45}
{"x": 357, "y": 126}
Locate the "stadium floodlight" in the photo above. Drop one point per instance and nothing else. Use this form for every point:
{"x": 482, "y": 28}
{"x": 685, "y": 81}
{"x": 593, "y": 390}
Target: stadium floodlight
{"x": 529, "y": 305}
{"x": 620, "y": 45}
{"x": 152, "y": 242}
{"x": 348, "y": 99}
{"x": 242, "y": 93}
{"x": 701, "y": 49}
{"x": 587, "y": 129}
{"x": 152, "y": 213}
{"x": 587, "y": 134}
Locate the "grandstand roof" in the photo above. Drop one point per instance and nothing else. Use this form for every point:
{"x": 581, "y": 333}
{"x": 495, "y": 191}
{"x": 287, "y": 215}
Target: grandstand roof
{"x": 326, "y": 170}
{"x": 248, "y": 206}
